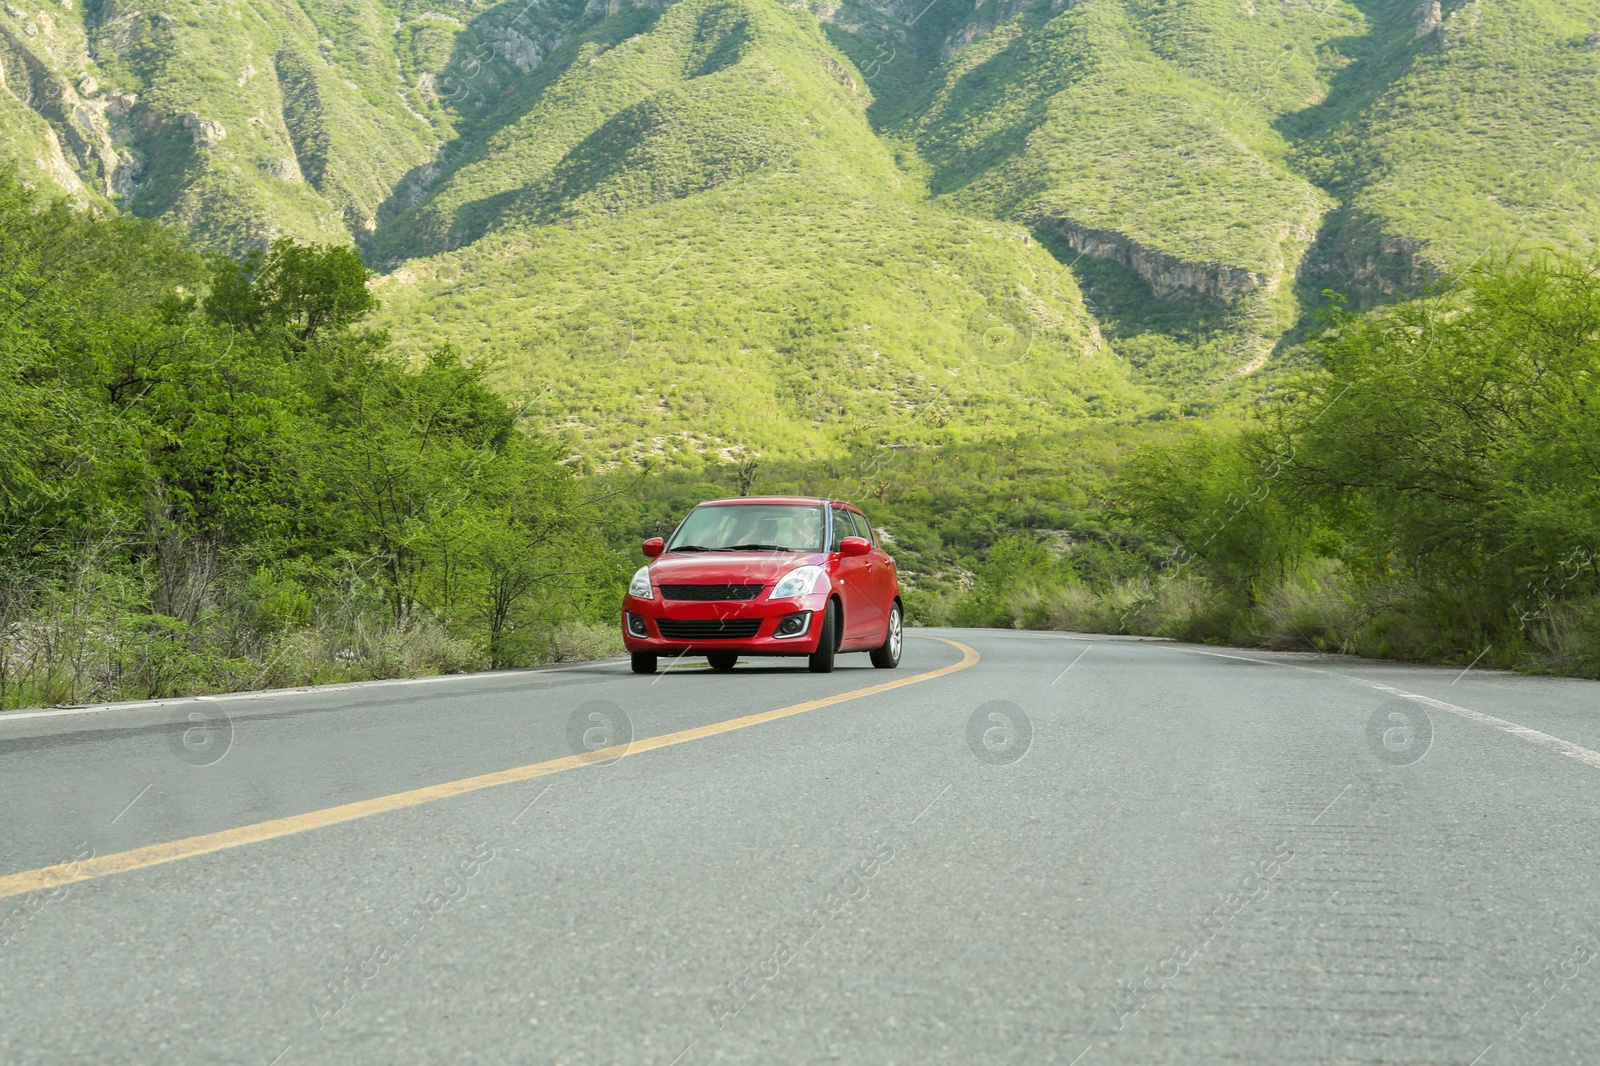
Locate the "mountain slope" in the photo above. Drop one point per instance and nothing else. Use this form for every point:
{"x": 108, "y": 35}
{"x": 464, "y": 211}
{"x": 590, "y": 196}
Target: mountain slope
{"x": 52, "y": 133}
{"x": 1202, "y": 141}
{"x": 857, "y": 219}
{"x": 246, "y": 119}
{"x": 697, "y": 243}
{"x": 622, "y": 120}
{"x": 1457, "y": 130}
{"x": 1077, "y": 122}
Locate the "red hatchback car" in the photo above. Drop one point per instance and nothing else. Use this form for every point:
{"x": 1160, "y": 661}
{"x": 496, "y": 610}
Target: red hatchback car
{"x": 765, "y": 575}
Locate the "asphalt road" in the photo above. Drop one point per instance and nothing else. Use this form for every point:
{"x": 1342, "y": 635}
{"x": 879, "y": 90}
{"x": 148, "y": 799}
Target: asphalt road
{"x": 1076, "y": 850}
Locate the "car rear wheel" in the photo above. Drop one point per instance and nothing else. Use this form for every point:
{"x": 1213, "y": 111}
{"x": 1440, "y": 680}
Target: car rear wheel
{"x": 887, "y": 657}
{"x": 827, "y": 641}
{"x": 722, "y": 661}
{"x": 644, "y": 662}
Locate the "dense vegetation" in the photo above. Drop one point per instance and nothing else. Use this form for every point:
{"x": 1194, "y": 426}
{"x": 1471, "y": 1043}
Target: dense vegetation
{"x": 1429, "y": 489}
{"x": 214, "y": 475}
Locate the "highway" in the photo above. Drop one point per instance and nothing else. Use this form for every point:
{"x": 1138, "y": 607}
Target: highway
{"x": 1017, "y": 848}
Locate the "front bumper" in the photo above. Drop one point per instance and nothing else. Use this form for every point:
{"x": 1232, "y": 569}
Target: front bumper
{"x": 766, "y": 614}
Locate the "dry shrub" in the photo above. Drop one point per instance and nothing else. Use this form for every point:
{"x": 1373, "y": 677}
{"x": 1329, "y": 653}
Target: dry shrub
{"x": 578, "y": 642}
{"x": 1311, "y": 611}
{"x": 1170, "y": 606}
{"x": 319, "y": 656}
{"x": 1566, "y": 640}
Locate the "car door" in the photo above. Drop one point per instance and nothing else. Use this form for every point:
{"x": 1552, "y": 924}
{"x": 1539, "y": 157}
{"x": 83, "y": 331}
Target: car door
{"x": 880, "y": 580}
{"x": 852, "y": 579}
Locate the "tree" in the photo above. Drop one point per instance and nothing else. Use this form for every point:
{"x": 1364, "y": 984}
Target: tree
{"x": 291, "y": 293}
{"x": 1220, "y": 506}
{"x": 1461, "y": 429}
{"x": 535, "y": 536}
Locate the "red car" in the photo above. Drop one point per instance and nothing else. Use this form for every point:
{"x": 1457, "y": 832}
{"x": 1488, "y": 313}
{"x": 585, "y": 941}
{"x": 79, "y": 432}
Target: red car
{"x": 765, "y": 575}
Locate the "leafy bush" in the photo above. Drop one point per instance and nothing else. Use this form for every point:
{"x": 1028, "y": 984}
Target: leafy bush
{"x": 213, "y": 476}
{"x": 1430, "y": 491}
{"x": 1453, "y": 438}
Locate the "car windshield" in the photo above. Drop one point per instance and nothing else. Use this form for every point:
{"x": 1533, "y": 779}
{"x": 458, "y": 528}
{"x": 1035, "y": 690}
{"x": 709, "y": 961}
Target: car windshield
{"x": 751, "y": 527}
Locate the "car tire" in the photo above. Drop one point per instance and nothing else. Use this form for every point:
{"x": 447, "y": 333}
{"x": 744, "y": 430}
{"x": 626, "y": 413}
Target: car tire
{"x": 821, "y": 661}
{"x": 887, "y": 657}
{"x": 644, "y": 662}
{"x": 722, "y": 661}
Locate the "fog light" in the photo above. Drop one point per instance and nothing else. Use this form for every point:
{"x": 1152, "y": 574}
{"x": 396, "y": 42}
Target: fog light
{"x": 794, "y": 625}
{"x": 636, "y": 626}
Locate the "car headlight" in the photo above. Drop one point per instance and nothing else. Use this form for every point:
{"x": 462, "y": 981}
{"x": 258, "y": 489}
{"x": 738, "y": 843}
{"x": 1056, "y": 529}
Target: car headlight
{"x": 640, "y": 585}
{"x": 798, "y": 582}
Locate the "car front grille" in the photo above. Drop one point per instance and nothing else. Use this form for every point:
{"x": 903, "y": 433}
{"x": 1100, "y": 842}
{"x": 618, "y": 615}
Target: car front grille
{"x": 708, "y": 628}
{"x": 711, "y": 592}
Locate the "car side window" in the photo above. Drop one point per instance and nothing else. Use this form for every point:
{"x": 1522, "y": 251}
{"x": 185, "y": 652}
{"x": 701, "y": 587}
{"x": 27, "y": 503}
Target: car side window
{"x": 855, "y": 524}
{"x": 863, "y": 529}
{"x": 842, "y": 528}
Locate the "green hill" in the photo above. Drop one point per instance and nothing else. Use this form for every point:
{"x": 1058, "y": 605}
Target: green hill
{"x": 1090, "y": 123}
{"x": 1453, "y": 132}
{"x": 690, "y": 228}
{"x": 691, "y": 241}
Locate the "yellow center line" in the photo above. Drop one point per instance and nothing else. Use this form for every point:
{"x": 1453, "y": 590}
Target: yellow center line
{"x": 156, "y": 854}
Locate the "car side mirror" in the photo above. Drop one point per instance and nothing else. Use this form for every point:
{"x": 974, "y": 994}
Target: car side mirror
{"x": 854, "y": 546}
{"x": 653, "y": 547}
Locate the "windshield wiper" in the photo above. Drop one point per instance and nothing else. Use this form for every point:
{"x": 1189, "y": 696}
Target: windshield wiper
{"x": 691, "y": 548}
{"x": 755, "y": 548}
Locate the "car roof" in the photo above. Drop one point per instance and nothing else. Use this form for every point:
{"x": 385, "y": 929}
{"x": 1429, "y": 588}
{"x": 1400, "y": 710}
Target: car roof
{"x": 813, "y": 501}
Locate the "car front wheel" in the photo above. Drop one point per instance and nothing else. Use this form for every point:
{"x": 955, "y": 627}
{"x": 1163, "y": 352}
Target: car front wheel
{"x": 827, "y": 641}
{"x": 644, "y": 662}
{"x": 887, "y": 657}
{"x": 722, "y": 661}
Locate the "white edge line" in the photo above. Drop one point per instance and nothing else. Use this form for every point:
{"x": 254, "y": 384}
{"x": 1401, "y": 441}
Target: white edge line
{"x": 303, "y": 690}
{"x": 1587, "y": 756}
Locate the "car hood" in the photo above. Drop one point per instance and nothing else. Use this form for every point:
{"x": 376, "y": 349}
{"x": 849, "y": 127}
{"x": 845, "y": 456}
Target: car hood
{"x": 729, "y": 568}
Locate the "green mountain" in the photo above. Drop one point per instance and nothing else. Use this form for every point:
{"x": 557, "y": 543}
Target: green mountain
{"x": 717, "y": 226}
{"x": 691, "y": 239}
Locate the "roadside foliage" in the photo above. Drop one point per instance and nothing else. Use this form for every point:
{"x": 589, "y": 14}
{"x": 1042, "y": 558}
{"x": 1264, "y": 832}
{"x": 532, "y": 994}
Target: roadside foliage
{"x": 1428, "y": 487}
{"x": 214, "y": 475}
